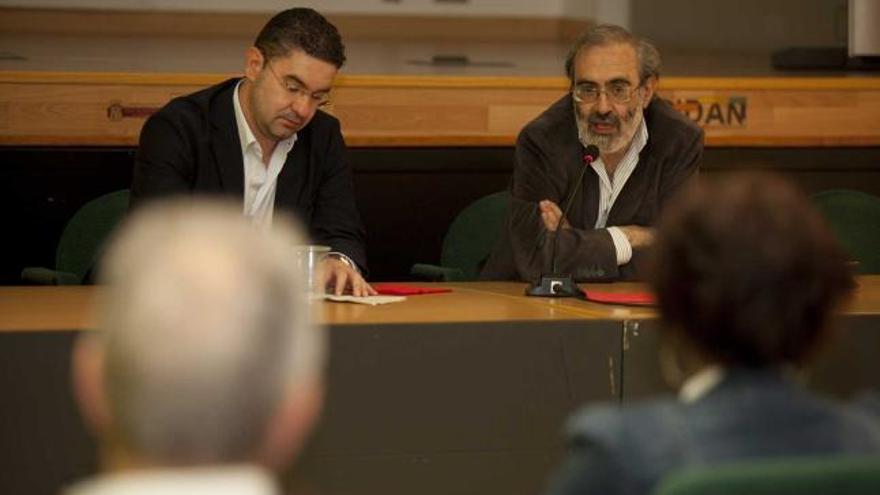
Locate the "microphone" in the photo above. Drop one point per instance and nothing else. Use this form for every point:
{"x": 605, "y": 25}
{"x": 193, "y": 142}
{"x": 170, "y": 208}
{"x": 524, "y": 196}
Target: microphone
{"x": 557, "y": 284}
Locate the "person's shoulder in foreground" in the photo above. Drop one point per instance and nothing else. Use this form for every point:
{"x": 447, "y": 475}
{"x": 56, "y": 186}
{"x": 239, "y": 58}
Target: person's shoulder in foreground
{"x": 613, "y": 449}
{"x": 748, "y": 279}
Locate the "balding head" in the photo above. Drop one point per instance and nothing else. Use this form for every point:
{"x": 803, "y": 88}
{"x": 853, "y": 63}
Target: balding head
{"x": 204, "y": 334}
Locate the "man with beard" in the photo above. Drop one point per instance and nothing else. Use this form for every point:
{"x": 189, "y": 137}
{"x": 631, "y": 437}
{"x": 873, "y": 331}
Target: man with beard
{"x": 263, "y": 139}
{"x": 647, "y": 151}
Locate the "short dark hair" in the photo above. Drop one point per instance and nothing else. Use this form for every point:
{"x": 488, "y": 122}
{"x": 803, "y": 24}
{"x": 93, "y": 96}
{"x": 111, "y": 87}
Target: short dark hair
{"x": 747, "y": 271}
{"x": 606, "y": 34}
{"x": 303, "y": 29}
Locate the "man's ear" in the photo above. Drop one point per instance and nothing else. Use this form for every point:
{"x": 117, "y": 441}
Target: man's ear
{"x": 291, "y": 424}
{"x": 650, "y": 86}
{"x": 88, "y": 378}
{"x": 253, "y": 63}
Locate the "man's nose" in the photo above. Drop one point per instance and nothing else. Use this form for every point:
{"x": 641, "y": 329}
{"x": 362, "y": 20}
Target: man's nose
{"x": 603, "y": 104}
{"x": 301, "y": 104}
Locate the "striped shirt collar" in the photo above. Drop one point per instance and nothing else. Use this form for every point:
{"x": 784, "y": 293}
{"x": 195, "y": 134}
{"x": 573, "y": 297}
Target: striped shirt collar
{"x": 609, "y": 191}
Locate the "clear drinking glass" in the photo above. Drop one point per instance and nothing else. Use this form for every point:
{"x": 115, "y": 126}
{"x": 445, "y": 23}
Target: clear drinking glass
{"x": 309, "y": 259}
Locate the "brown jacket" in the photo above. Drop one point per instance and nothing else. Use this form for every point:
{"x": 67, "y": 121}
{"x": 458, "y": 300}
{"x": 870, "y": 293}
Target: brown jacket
{"x": 548, "y": 161}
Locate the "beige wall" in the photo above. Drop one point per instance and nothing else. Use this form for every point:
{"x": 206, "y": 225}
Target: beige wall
{"x": 716, "y": 26}
{"x": 514, "y": 8}
{"x": 754, "y": 26}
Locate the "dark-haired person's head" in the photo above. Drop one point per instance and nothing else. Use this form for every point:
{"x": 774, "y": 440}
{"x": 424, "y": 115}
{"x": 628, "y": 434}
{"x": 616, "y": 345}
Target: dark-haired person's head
{"x": 301, "y": 29}
{"x": 289, "y": 73}
{"x": 747, "y": 273}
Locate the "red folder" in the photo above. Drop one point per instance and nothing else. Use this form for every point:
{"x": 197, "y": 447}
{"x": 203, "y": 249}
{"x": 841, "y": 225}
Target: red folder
{"x": 407, "y": 290}
{"x": 627, "y": 298}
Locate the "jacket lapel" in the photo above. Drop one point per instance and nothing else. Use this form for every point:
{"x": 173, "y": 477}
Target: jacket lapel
{"x": 293, "y": 178}
{"x": 225, "y": 143}
{"x": 634, "y": 191}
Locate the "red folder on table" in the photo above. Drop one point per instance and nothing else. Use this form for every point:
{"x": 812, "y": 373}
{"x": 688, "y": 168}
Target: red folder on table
{"x": 627, "y": 298}
{"x": 407, "y": 290}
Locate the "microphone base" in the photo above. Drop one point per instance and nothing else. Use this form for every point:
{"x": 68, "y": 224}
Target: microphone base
{"x": 554, "y": 285}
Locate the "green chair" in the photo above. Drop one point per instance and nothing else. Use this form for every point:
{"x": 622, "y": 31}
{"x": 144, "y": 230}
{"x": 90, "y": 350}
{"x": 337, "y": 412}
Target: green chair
{"x": 80, "y": 244}
{"x": 469, "y": 240}
{"x": 791, "y": 476}
{"x": 855, "y": 218}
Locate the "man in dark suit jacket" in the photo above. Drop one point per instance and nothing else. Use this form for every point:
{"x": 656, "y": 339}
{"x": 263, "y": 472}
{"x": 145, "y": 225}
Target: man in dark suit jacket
{"x": 647, "y": 150}
{"x": 262, "y": 138}
{"x": 747, "y": 276}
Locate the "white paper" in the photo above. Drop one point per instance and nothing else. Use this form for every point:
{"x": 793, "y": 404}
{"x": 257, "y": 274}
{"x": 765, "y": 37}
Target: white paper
{"x": 370, "y": 300}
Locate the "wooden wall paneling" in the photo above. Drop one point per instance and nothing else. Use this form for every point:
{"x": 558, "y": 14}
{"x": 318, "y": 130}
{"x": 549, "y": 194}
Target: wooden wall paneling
{"x": 784, "y": 117}
{"x": 78, "y": 114}
{"x": 109, "y": 109}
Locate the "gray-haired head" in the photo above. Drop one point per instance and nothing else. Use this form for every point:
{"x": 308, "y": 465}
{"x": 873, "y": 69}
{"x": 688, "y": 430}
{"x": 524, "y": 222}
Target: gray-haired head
{"x": 206, "y": 329}
{"x": 606, "y": 34}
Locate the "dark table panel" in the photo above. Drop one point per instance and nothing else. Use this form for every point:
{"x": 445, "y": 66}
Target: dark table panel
{"x": 847, "y": 366}
{"x": 438, "y": 408}
{"x": 43, "y": 444}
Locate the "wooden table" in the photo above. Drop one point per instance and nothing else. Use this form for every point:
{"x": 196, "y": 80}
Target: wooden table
{"x": 69, "y": 307}
{"x": 461, "y": 392}
{"x": 25, "y": 308}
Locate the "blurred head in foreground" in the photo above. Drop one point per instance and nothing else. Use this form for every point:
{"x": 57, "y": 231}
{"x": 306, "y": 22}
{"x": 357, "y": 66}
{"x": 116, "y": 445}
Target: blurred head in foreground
{"x": 747, "y": 274}
{"x": 205, "y": 352}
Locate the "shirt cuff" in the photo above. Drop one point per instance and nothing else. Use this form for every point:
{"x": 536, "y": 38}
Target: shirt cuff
{"x": 343, "y": 258}
{"x": 621, "y": 245}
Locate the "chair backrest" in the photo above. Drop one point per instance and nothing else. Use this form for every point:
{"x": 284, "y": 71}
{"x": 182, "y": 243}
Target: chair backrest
{"x": 84, "y": 235}
{"x": 855, "y": 218}
{"x": 473, "y": 233}
{"x": 793, "y": 476}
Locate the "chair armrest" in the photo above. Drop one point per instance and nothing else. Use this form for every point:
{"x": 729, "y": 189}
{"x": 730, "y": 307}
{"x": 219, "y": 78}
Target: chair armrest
{"x": 437, "y": 273}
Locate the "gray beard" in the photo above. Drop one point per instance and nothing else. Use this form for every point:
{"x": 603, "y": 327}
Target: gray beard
{"x": 587, "y": 138}
{"x": 608, "y": 143}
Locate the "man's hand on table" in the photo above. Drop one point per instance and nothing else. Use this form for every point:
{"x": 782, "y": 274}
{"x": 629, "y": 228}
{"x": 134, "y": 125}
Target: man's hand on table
{"x": 340, "y": 278}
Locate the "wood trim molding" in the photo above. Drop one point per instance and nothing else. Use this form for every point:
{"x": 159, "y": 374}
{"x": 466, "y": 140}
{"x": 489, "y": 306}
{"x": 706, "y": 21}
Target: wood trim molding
{"x": 449, "y": 82}
{"x": 114, "y": 78}
{"x": 843, "y": 83}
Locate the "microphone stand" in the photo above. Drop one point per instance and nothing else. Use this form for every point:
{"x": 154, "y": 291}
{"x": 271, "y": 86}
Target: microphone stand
{"x": 556, "y": 284}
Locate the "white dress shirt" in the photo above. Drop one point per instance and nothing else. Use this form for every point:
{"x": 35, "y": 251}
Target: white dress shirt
{"x": 700, "y": 383}
{"x": 226, "y": 480}
{"x": 609, "y": 189}
{"x": 260, "y": 180}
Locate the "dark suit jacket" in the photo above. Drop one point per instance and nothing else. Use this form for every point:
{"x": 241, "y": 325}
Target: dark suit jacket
{"x": 750, "y": 414}
{"x": 548, "y": 160}
{"x": 192, "y": 145}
